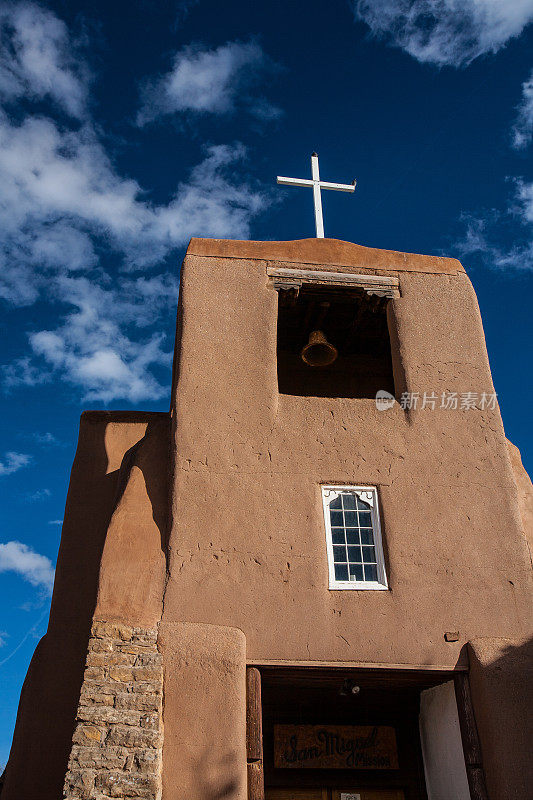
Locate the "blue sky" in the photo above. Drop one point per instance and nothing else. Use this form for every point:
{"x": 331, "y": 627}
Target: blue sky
{"x": 128, "y": 127}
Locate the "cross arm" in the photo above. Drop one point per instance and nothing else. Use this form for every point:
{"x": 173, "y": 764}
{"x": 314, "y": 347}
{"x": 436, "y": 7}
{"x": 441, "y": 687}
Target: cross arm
{"x": 339, "y": 187}
{"x": 293, "y": 181}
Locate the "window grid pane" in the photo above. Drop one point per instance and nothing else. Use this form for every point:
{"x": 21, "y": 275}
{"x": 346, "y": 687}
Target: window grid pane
{"x": 352, "y": 536}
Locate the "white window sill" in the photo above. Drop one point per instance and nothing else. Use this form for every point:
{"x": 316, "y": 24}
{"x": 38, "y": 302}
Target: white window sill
{"x": 354, "y": 585}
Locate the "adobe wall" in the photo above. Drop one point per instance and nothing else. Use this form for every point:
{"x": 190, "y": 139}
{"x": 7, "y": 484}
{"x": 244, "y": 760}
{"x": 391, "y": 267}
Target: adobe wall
{"x": 147, "y": 608}
{"x": 110, "y": 556}
{"x": 501, "y": 677}
{"x": 247, "y": 539}
{"x": 204, "y": 751}
{"x": 525, "y": 493}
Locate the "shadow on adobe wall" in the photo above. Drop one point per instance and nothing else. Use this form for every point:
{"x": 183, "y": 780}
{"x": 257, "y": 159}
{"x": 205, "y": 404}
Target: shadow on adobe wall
{"x": 501, "y": 676}
{"x": 219, "y": 781}
{"x": 49, "y": 698}
{"x": 148, "y": 454}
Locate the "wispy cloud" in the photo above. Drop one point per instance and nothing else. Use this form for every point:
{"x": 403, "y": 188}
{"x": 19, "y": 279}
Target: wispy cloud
{"x": 182, "y": 9}
{"x": 454, "y": 33}
{"x": 92, "y": 348}
{"x": 58, "y": 189}
{"x": 485, "y": 234}
{"x": 31, "y": 632}
{"x": 37, "y": 496}
{"x": 12, "y": 462}
{"x": 446, "y": 32}
{"x": 33, "y": 567}
{"x": 21, "y": 372}
{"x": 504, "y": 239}
{"x": 209, "y": 81}
{"x": 66, "y": 211}
{"x": 46, "y": 439}
{"x": 523, "y": 128}
{"x": 55, "y": 521}
{"x": 37, "y": 58}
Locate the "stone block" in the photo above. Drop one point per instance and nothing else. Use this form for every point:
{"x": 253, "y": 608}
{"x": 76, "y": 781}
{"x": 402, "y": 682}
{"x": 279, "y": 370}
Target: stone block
{"x": 149, "y": 660}
{"x": 112, "y": 630}
{"x": 148, "y": 761}
{"x": 80, "y": 783}
{"x": 100, "y": 646}
{"x": 116, "y": 749}
{"x": 135, "y": 649}
{"x": 144, "y": 635}
{"x": 104, "y": 686}
{"x": 93, "y": 674}
{"x": 111, "y": 659}
{"x": 121, "y": 674}
{"x": 95, "y": 698}
{"x": 148, "y": 688}
{"x": 120, "y": 784}
{"x": 150, "y": 673}
{"x": 106, "y": 715}
{"x": 127, "y": 736}
{"x": 139, "y": 702}
{"x": 149, "y": 722}
{"x": 98, "y": 757}
{"x": 85, "y": 734}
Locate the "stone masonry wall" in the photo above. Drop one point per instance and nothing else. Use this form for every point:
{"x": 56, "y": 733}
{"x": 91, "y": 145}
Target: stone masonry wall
{"x": 117, "y": 742}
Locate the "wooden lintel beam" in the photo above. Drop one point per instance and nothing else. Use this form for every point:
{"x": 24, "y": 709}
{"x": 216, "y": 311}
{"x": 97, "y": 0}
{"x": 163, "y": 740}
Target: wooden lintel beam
{"x": 382, "y": 285}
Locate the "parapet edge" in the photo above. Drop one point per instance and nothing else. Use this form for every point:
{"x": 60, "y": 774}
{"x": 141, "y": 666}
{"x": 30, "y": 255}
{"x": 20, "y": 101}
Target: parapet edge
{"x": 332, "y": 252}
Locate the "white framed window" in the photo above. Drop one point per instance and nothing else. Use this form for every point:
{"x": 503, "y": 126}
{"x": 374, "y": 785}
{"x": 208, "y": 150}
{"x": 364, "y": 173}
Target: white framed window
{"x": 353, "y": 538}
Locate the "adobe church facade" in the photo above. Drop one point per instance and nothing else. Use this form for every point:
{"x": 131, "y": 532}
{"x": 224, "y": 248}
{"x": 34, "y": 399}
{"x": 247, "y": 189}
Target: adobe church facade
{"x": 283, "y": 588}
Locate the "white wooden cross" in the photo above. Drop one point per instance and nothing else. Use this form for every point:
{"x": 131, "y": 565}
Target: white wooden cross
{"x": 317, "y": 185}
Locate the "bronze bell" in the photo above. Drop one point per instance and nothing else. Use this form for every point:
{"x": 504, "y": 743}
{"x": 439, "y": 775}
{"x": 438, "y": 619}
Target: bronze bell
{"x": 318, "y": 352}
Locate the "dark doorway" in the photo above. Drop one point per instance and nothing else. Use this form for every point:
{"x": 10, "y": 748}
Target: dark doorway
{"x": 372, "y": 699}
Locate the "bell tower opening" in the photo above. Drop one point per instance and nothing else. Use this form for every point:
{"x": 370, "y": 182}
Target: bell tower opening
{"x": 333, "y": 342}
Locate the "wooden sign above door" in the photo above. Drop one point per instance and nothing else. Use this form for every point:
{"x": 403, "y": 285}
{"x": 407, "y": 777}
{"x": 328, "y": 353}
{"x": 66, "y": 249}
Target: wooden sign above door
{"x": 335, "y": 747}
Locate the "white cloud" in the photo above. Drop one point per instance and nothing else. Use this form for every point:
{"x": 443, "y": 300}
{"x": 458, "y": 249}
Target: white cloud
{"x": 454, "y": 33}
{"x": 483, "y": 236}
{"x": 33, "y": 567}
{"x": 213, "y": 81}
{"x": 50, "y": 199}
{"x": 212, "y": 201}
{"x": 37, "y": 496}
{"x": 12, "y": 462}
{"x": 36, "y": 58}
{"x": 55, "y": 521}
{"x": 46, "y": 439}
{"x": 98, "y": 346}
{"x": 523, "y": 127}
{"x": 480, "y": 243}
{"x": 22, "y": 372}
{"x": 95, "y": 349}
{"x": 524, "y": 200}
{"x": 65, "y": 211}
{"x": 446, "y": 32}
{"x": 3, "y": 638}
{"x": 57, "y": 189}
